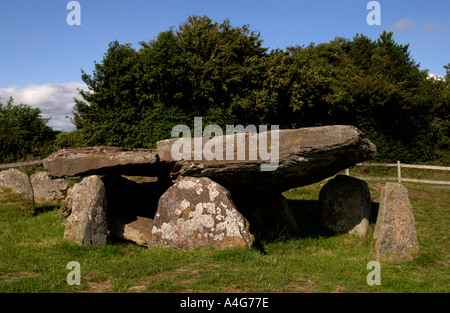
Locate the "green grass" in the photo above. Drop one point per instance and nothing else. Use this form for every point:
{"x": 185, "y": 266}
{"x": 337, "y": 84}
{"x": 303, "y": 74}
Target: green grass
{"x": 34, "y": 255}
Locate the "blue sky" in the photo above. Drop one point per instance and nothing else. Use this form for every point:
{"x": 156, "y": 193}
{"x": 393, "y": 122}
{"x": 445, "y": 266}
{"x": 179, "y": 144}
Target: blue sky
{"x": 41, "y": 55}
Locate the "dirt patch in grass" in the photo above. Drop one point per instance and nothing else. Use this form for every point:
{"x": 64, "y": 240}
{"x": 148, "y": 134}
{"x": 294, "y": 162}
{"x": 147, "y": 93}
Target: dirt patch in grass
{"x": 300, "y": 284}
{"x": 99, "y": 286}
{"x": 231, "y": 289}
{"x": 10, "y": 277}
{"x": 173, "y": 275}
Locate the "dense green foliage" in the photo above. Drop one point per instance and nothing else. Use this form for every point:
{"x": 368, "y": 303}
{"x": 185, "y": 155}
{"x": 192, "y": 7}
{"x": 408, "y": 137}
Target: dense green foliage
{"x": 23, "y": 133}
{"x": 223, "y": 74}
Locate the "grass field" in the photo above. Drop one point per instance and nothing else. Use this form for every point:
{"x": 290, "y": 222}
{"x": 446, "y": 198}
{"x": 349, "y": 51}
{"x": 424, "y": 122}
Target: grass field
{"x": 34, "y": 256}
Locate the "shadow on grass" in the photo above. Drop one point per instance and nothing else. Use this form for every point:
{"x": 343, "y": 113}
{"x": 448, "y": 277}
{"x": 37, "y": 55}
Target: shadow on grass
{"x": 309, "y": 220}
{"x": 307, "y": 215}
{"x": 44, "y": 208}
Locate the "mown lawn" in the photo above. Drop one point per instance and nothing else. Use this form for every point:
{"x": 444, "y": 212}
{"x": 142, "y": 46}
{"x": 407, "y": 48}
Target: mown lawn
{"x": 34, "y": 256}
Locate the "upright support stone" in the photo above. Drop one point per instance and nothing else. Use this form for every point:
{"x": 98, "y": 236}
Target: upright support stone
{"x": 87, "y": 223}
{"x": 198, "y": 212}
{"x": 395, "y": 235}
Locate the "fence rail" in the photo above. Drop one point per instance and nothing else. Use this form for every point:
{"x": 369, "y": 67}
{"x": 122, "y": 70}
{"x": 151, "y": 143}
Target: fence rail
{"x": 399, "y": 177}
{"x": 19, "y": 164}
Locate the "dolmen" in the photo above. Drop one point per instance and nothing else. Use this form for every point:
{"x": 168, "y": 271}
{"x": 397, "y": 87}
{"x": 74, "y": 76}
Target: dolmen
{"x": 217, "y": 191}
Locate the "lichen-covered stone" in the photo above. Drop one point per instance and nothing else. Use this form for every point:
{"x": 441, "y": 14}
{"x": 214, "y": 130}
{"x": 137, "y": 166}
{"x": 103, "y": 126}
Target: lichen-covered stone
{"x": 87, "y": 223}
{"x": 198, "y": 212}
{"x": 345, "y": 205}
{"x": 395, "y": 235}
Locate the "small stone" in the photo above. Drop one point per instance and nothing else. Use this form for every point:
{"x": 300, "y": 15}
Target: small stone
{"x": 137, "y": 230}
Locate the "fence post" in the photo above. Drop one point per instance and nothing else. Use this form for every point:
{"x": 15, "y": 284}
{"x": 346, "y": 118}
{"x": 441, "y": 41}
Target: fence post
{"x": 399, "y": 172}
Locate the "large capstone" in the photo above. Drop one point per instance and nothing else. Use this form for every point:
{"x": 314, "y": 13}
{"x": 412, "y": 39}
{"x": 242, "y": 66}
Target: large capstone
{"x": 102, "y": 161}
{"x": 305, "y": 156}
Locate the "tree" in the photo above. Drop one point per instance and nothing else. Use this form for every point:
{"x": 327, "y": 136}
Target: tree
{"x": 202, "y": 69}
{"x": 224, "y": 74}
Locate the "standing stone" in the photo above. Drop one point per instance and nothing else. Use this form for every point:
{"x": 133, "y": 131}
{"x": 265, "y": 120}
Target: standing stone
{"x": 87, "y": 224}
{"x": 345, "y": 205}
{"x": 198, "y": 212}
{"x": 17, "y": 181}
{"x": 395, "y": 235}
{"x": 48, "y": 190}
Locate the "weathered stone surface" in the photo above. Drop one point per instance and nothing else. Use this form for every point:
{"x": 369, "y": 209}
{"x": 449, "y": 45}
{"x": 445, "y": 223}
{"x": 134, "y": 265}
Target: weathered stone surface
{"x": 198, "y": 212}
{"x": 66, "y": 205}
{"x": 269, "y": 214}
{"x": 137, "y": 229}
{"x": 17, "y": 181}
{"x": 306, "y": 156}
{"x": 395, "y": 235}
{"x": 345, "y": 205}
{"x": 102, "y": 161}
{"x": 87, "y": 223}
{"x": 48, "y": 190}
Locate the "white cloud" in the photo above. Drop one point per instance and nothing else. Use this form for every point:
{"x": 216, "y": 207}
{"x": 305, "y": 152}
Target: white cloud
{"x": 54, "y": 100}
{"x": 432, "y": 27}
{"x": 404, "y": 25}
{"x": 434, "y": 76}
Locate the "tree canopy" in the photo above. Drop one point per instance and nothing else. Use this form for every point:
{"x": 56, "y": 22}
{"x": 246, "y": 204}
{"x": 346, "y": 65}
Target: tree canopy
{"x": 23, "y": 132}
{"x": 224, "y": 74}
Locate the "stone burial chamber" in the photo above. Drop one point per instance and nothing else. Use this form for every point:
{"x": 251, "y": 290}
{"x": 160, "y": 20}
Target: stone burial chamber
{"x": 198, "y": 202}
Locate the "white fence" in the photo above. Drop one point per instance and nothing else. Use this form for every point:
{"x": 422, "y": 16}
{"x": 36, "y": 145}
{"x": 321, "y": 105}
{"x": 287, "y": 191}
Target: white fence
{"x": 399, "y": 177}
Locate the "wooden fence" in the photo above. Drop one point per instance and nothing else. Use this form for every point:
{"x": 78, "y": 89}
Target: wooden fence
{"x": 399, "y": 177}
